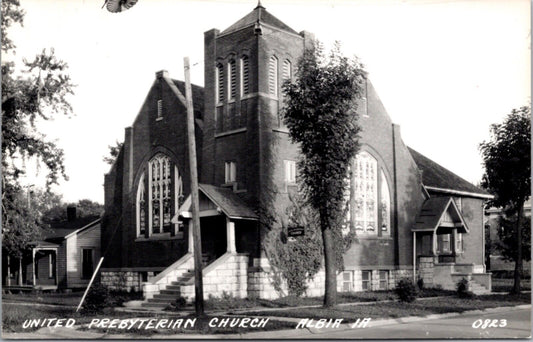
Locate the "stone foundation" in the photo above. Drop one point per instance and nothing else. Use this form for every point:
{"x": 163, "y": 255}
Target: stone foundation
{"x": 121, "y": 280}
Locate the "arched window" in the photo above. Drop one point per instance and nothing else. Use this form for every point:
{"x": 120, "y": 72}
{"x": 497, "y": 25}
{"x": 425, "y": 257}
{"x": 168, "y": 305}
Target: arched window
{"x": 232, "y": 79}
{"x": 366, "y": 194}
{"x": 159, "y": 195}
{"x": 245, "y": 75}
{"x": 219, "y": 83}
{"x": 273, "y": 76}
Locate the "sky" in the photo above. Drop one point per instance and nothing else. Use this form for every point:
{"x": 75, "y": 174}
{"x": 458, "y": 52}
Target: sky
{"x": 445, "y": 70}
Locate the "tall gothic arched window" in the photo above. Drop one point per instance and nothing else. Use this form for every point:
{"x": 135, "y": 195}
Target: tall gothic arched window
{"x": 159, "y": 195}
{"x": 385, "y": 207}
{"x": 366, "y": 193}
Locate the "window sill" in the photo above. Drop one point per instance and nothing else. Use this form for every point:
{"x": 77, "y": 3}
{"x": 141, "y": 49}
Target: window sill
{"x": 235, "y": 131}
{"x": 159, "y": 118}
{"x": 160, "y": 237}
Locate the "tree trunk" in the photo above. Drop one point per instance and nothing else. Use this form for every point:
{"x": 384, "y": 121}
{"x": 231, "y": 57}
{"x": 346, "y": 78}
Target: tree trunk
{"x": 330, "y": 296}
{"x": 518, "y": 260}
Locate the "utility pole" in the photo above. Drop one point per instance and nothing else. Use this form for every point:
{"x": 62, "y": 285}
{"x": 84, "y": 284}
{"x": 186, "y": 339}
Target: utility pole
{"x": 198, "y": 282}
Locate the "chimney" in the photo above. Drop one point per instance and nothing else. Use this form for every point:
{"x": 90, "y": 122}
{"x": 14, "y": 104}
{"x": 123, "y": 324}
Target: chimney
{"x": 71, "y": 213}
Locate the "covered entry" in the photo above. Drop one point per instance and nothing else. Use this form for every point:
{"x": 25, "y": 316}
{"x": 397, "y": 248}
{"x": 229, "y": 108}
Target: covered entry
{"x": 438, "y": 233}
{"x": 228, "y": 224}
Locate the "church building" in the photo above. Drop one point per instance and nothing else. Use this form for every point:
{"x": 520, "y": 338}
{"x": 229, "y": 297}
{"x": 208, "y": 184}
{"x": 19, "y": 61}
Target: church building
{"x": 412, "y": 217}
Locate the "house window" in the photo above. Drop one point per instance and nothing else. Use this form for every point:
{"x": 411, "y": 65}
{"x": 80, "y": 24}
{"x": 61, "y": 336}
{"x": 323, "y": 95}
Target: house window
{"x": 50, "y": 265}
{"x": 443, "y": 243}
{"x": 159, "y": 194}
{"x": 365, "y": 187}
{"x": 287, "y": 71}
{"x": 273, "y": 76}
{"x": 219, "y": 83}
{"x": 383, "y": 280}
{"x": 159, "y": 109}
{"x": 385, "y": 204}
{"x": 86, "y": 263}
{"x": 347, "y": 281}
{"x": 232, "y": 79}
{"x": 290, "y": 171}
{"x": 245, "y": 75}
{"x": 230, "y": 172}
{"x": 367, "y": 280}
{"x": 459, "y": 242}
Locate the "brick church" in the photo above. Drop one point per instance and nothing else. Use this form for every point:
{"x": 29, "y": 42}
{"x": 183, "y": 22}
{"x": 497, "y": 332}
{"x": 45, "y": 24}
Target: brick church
{"x": 413, "y": 218}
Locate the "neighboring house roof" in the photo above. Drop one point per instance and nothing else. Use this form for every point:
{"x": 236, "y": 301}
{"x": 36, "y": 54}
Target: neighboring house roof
{"x": 432, "y": 211}
{"x": 231, "y": 204}
{"x": 263, "y": 16}
{"x": 60, "y": 230}
{"x": 436, "y": 177}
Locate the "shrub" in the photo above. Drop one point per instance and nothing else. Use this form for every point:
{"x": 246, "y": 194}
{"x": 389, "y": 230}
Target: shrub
{"x": 96, "y": 300}
{"x": 177, "y": 304}
{"x": 406, "y": 290}
{"x": 420, "y": 283}
{"x": 462, "y": 289}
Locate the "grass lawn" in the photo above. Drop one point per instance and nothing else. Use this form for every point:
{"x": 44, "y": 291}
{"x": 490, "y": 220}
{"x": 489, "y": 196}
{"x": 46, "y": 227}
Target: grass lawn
{"x": 350, "y": 313}
{"x": 69, "y": 299}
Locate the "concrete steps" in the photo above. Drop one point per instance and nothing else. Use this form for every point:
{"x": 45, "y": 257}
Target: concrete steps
{"x": 170, "y": 293}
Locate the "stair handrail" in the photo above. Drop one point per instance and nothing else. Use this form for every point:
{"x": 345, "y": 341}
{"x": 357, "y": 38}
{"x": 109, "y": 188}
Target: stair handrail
{"x": 171, "y": 268}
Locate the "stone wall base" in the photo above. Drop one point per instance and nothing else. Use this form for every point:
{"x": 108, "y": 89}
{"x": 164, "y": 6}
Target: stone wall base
{"x": 122, "y": 280}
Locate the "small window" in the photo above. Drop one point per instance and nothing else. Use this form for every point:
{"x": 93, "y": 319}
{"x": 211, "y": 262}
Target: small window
{"x": 383, "y": 280}
{"x": 443, "y": 243}
{"x": 230, "y": 172}
{"x": 159, "y": 109}
{"x": 459, "y": 243}
{"x": 273, "y": 76}
{"x": 347, "y": 281}
{"x": 87, "y": 263}
{"x": 367, "y": 278}
{"x": 290, "y": 171}
{"x": 232, "y": 79}
{"x": 245, "y": 76}
{"x": 219, "y": 83}
{"x": 287, "y": 70}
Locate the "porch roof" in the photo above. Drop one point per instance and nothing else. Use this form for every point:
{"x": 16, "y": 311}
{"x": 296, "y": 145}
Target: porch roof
{"x": 229, "y": 203}
{"x": 44, "y": 244}
{"x": 434, "y": 210}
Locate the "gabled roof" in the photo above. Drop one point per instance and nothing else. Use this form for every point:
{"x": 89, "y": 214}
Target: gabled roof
{"x": 259, "y": 14}
{"x": 433, "y": 210}
{"x": 436, "y": 177}
{"x": 60, "y": 230}
{"x": 231, "y": 204}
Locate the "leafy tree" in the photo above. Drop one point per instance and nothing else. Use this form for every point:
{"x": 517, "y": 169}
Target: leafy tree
{"x": 507, "y": 243}
{"x": 39, "y": 91}
{"x": 320, "y": 113}
{"x": 507, "y": 162}
{"x": 113, "y": 152}
{"x": 84, "y": 208}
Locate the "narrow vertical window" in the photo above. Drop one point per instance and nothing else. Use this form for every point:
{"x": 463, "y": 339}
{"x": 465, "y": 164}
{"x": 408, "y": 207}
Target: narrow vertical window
{"x": 385, "y": 204}
{"x": 219, "y": 83}
{"x": 367, "y": 278}
{"x": 245, "y": 76}
{"x": 230, "y": 172}
{"x": 141, "y": 208}
{"x": 159, "y": 109}
{"x": 347, "y": 281}
{"x": 459, "y": 242}
{"x": 232, "y": 79}
{"x": 290, "y": 171}
{"x": 287, "y": 71}
{"x": 86, "y": 263}
{"x": 273, "y": 76}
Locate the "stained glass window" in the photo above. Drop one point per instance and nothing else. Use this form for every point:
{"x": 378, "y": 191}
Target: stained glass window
{"x": 365, "y": 186}
{"x": 164, "y": 197}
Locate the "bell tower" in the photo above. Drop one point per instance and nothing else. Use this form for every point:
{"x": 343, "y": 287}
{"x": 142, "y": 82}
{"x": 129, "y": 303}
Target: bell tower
{"x": 245, "y": 142}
